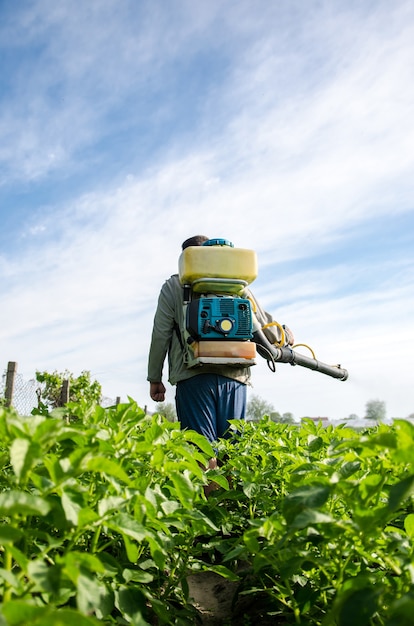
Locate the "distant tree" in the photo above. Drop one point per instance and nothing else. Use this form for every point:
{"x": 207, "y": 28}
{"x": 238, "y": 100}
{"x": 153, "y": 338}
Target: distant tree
{"x": 352, "y": 416}
{"x": 287, "y": 418}
{"x": 167, "y": 409}
{"x": 375, "y": 410}
{"x": 80, "y": 387}
{"x": 257, "y": 407}
{"x": 275, "y": 416}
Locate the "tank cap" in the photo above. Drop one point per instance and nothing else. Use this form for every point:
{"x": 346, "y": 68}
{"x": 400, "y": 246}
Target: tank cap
{"x": 218, "y": 242}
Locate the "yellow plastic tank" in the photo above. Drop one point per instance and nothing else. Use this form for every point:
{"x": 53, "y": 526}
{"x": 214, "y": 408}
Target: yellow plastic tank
{"x": 217, "y": 268}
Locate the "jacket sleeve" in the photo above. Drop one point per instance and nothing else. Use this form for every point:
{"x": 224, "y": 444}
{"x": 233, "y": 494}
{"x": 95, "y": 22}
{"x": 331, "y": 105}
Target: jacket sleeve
{"x": 162, "y": 332}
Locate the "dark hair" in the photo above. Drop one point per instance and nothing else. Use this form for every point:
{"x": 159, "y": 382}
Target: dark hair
{"x": 197, "y": 240}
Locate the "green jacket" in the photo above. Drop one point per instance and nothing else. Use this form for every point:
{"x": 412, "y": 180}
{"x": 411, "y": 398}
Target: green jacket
{"x": 165, "y": 341}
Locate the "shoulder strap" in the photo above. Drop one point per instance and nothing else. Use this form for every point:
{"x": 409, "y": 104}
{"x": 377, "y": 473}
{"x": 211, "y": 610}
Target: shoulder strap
{"x": 178, "y": 333}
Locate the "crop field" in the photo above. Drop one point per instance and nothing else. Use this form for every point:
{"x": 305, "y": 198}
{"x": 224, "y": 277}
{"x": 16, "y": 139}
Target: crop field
{"x": 104, "y": 520}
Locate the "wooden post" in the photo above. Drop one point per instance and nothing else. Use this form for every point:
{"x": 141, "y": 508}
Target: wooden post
{"x": 118, "y": 400}
{"x": 64, "y": 393}
{"x": 10, "y": 378}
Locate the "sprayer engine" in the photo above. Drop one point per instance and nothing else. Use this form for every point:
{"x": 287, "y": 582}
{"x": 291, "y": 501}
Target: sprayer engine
{"x": 220, "y": 317}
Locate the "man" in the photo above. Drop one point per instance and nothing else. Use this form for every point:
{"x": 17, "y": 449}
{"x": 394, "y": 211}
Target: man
{"x": 207, "y": 397}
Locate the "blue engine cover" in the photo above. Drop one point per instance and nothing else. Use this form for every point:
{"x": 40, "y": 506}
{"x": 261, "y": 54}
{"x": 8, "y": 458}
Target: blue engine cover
{"x": 220, "y": 318}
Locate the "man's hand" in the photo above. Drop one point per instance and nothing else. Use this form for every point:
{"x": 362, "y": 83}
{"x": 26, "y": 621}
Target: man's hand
{"x": 289, "y": 337}
{"x": 157, "y": 392}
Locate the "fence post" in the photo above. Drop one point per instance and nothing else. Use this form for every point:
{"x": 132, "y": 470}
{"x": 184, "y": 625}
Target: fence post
{"x": 118, "y": 400}
{"x": 64, "y": 393}
{"x": 10, "y": 377}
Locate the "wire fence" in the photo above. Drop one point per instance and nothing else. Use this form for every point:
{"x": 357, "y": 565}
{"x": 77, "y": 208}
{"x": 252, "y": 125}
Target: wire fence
{"x": 24, "y": 395}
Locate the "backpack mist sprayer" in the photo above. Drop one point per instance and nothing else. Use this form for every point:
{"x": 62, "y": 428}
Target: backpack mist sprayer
{"x": 220, "y": 321}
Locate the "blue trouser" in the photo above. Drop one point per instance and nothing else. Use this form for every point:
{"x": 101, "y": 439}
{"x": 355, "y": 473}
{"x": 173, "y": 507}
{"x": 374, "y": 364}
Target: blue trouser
{"x": 206, "y": 402}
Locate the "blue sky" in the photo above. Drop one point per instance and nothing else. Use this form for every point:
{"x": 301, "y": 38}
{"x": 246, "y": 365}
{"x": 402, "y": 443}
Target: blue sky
{"x": 286, "y": 127}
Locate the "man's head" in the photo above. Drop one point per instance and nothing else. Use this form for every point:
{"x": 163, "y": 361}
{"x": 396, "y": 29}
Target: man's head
{"x": 197, "y": 240}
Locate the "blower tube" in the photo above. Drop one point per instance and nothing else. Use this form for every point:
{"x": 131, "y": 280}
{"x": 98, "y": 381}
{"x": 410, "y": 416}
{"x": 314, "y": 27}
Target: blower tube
{"x": 286, "y": 355}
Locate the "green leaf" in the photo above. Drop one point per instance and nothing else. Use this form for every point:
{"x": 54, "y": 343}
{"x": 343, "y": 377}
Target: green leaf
{"x": 22, "y": 613}
{"x": 366, "y": 519}
{"x": 9, "y": 534}
{"x": 385, "y": 439}
{"x": 237, "y": 552}
{"x": 169, "y": 507}
{"x": 93, "y": 596}
{"x": 349, "y": 468}
{"x": 202, "y": 522}
{"x": 157, "y": 456}
{"x": 218, "y": 478}
{"x": 132, "y": 605}
{"x": 131, "y": 548}
{"x": 45, "y": 577}
{"x": 87, "y": 517}
{"x": 370, "y": 486}
{"x": 314, "y": 443}
{"x": 23, "y": 455}
{"x": 402, "y": 611}
{"x": 125, "y": 524}
{"x": 309, "y": 517}
{"x": 400, "y": 492}
{"x": 251, "y": 542}
{"x": 405, "y": 441}
{"x": 184, "y": 488}
{"x": 358, "y": 607}
{"x": 154, "y": 434}
{"x": 20, "y": 558}
{"x": 409, "y": 525}
{"x": 308, "y": 497}
{"x": 225, "y": 572}
{"x": 15, "y": 502}
{"x": 110, "y": 503}
{"x": 200, "y": 441}
{"x": 76, "y": 561}
{"x": 72, "y": 505}
{"x": 107, "y": 466}
{"x": 137, "y": 576}
{"x": 10, "y": 578}
{"x": 291, "y": 566}
{"x": 196, "y": 460}
{"x": 250, "y": 488}
{"x": 158, "y": 552}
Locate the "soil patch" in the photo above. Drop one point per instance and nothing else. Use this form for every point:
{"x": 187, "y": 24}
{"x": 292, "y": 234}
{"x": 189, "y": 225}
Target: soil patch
{"x": 213, "y": 597}
{"x": 218, "y": 604}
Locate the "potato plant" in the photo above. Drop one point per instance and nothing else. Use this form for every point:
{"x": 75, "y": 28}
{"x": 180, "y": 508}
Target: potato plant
{"x": 103, "y": 518}
{"x": 324, "y": 518}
